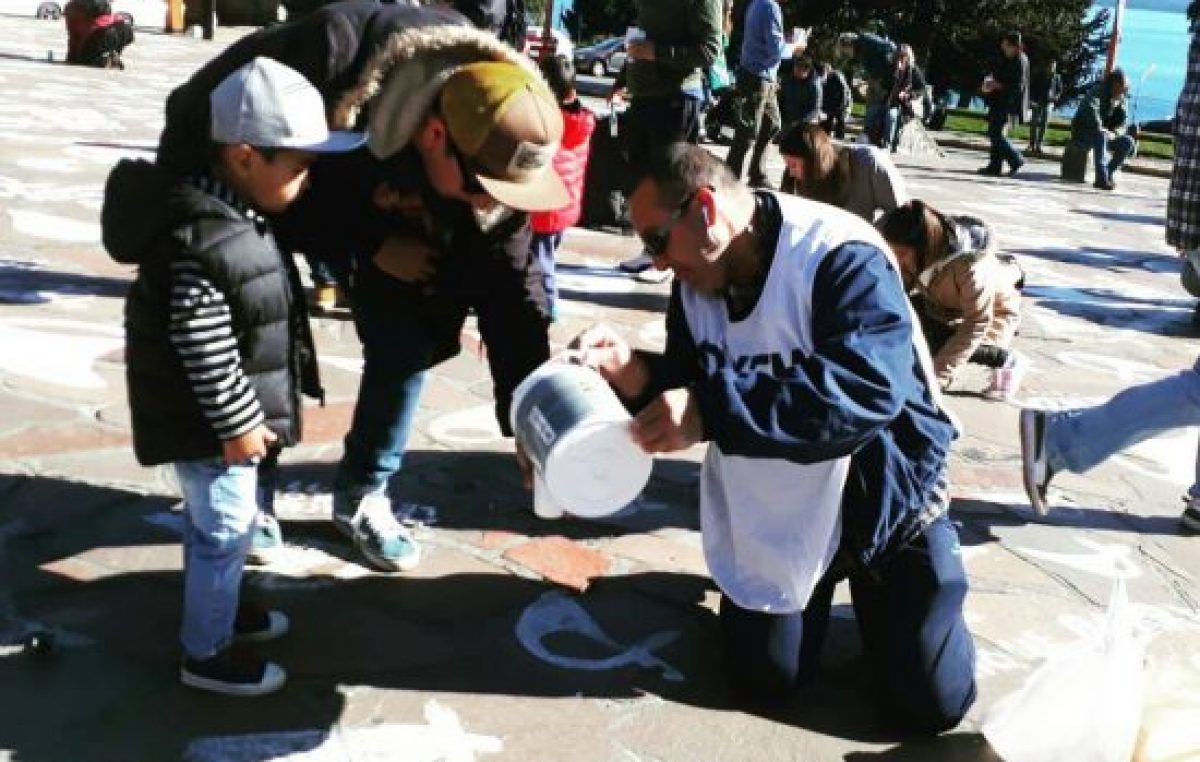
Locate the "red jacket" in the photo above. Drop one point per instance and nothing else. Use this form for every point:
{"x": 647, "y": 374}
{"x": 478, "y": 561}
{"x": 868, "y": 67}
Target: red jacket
{"x": 571, "y": 164}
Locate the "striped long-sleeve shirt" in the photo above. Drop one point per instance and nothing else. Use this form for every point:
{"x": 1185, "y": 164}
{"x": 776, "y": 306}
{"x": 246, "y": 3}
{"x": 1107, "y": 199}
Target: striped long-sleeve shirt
{"x": 200, "y": 328}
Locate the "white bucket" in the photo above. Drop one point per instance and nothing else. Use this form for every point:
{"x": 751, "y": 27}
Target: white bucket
{"x": 576, "y": 431}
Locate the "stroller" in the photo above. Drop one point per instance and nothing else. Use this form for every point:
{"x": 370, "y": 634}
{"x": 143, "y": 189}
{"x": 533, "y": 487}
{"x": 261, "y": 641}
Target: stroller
{"x": 95, "y": 35}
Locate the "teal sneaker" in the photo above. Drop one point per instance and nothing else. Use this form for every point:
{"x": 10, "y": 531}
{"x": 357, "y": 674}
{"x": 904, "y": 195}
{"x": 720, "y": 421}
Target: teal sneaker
{"x": 266, "y": 541}
{"x": 369, "y": 521}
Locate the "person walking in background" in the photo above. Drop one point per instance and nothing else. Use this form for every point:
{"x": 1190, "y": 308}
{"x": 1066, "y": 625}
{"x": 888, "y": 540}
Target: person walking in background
{"x": 835, "y": 101}
{"x": 674, "y": 42}
{"x": 967, "y": 295}
{"x": 764, "y": 46}
{"x": 1044, "y": 92}
{"x": 1007, "y": 94}
{"x": 216, "y": 356}
{"x": 858, "y": 178}
{"x": 1100, "y": 122}
{"x": 570, "y": 162}
{"x": 1076, "y": 440}
{"x": 898, "y": 101}
{"x": 800, "y": 92}
{"x": 1183, "y": 195}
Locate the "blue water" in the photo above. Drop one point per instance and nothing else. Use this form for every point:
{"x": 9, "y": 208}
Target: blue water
{"x": 1153, "y": 51}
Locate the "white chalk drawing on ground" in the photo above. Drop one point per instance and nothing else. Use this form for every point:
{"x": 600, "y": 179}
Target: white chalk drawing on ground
{"x": 62, "y": 166}
{"x": 1126, "y": 371}
{"x": 556, "y": 613}
{"x": 1108, "y": 560}
{"x": 441, "y": 739}
{"x": 54, "y": 227}
{"x": 473, "y": 426}
{"x": 654, "y": 334}
{"x": 60, "y": 352}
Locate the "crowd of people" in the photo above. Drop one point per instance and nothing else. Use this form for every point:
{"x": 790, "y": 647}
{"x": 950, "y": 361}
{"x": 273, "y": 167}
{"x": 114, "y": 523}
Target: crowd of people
{"x": 434, "y": 169}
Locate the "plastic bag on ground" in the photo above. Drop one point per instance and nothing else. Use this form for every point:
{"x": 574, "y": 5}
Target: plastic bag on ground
{"x": 1084, "y": 705}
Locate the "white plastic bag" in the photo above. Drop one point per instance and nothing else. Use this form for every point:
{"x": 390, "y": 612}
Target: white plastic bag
{"x": 1084, "y": 705}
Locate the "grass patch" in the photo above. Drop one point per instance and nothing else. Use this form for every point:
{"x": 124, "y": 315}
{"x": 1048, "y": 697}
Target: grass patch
{"x": 969, "y": 122}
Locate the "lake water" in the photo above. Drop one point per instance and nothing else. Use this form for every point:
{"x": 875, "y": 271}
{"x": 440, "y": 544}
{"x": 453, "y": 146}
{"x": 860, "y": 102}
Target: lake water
{"x": 1153, "y": 52}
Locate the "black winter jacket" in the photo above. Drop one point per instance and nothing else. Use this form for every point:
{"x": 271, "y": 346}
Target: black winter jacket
{"x": 149, "y": 221}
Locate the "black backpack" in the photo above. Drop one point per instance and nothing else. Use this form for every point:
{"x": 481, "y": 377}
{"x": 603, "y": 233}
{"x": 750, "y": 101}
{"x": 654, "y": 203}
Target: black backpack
{"x": 604, "y": 203}
{"x": 103, "y": 47}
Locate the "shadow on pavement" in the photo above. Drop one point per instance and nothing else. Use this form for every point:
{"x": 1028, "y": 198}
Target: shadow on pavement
{"x": 1137, "y": 219}
{"x": 1159, "y": 317}
{"x": 99, "y": 568}
{"x": 25, "y": 283}
{"x": 977, "y": 518}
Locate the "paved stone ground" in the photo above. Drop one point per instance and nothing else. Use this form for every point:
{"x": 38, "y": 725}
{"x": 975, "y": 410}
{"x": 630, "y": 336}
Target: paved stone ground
{"x": 487, "y": 651}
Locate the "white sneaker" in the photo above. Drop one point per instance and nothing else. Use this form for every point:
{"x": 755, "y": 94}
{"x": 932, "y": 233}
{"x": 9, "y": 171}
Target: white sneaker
{"x": 1007, "y": 380}
{"x": 638, "y": 264}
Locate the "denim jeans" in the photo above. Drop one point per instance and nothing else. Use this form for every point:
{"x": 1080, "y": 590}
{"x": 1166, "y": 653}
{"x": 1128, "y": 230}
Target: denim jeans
{"x": 910, "y": 617}
{"x": 1122, "y": 147}
{"x": 540, "y": 277}
{"x": 1002, "y": 149}
{"x": 1077, "y": 440}
{"x": 220, "y": 503}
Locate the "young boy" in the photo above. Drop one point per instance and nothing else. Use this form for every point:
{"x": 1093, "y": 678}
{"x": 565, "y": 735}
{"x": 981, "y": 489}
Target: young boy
{"x": 571, "y": 164}
{"x": 217, "y": 345}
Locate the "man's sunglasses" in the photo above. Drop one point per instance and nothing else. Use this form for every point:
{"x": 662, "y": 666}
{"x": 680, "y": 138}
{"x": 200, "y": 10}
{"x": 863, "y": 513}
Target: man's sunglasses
{"x": 466, "y": 168}
{"x": 657, "y": 239}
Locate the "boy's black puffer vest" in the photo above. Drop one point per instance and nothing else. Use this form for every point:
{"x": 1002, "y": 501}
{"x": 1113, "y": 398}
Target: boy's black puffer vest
{"x": 148, "y": 222}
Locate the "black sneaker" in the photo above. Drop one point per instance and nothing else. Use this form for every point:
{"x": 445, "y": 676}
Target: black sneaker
{"x": 988, "y": 171}
{"x": 1191, "y": 514}
{"x": 255, "y": 624}
{"x": 232, "y": 674}
{"x": 1035, "y": 466}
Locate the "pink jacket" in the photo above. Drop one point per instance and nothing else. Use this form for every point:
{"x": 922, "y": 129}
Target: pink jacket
{"x": 571, "y": 164}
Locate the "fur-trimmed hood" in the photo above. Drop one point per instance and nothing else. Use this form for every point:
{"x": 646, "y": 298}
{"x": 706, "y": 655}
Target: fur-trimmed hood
{"x": 400, "y": 83}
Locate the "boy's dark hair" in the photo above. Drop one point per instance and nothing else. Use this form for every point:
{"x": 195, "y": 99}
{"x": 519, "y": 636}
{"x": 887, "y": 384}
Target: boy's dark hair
{"x": 1013, "y": 38}
{"x": 214, "y": 152}
{"x": 560, "y": 75}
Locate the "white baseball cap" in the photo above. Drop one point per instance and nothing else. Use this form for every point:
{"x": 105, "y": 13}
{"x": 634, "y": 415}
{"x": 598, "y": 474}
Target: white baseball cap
{"x": 268, "y": 105}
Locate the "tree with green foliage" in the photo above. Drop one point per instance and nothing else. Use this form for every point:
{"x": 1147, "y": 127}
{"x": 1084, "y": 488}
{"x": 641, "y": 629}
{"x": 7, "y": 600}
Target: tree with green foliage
{"x": 589, "y": 20}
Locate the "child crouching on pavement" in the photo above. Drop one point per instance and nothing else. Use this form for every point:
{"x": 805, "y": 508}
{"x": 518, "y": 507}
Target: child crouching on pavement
{"x": 571, "y": 164}
{"x": 218, "y": 349}
{"x": 967, "y": 295}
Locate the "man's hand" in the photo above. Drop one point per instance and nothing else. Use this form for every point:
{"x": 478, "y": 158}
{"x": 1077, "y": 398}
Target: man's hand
{"x": 642, "y": 50}
{"x": 602, "y": 348}
{"x": 669, "y": 423}
{"x": 406, "y": 259}
{"x": 249, "y": 447}
{"x": 526, "y": 466}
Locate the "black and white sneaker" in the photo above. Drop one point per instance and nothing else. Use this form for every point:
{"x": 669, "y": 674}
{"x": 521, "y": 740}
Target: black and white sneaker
{"x": 1035, "y": 466}
{"x": 636, "y": 264}
{"x": 255, "y": 624}
{"x": 232, "y": 674}
{"x": 1190, "y": 518}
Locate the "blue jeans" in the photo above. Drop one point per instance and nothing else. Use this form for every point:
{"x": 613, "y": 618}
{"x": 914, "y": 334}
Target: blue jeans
{"x": 1077, "y": 440}
{"x": 910, "y": 616}
{"x": 540, "y": 276}
{"x": 1002, "y": 149}
{"x": 220, "y": 503}
{"x": 1122, "y": 147}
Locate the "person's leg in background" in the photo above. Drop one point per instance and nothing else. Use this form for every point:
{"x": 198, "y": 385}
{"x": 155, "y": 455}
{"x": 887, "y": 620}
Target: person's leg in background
{"x": 1099, "y": 143}
{"x": 540, "y": 279}
{"x": 1037, "y": 128}
{"x": 768, "y": 128}
{"x": 325, "y": 285}
{"x": 750, "y": 105}
{"x": 1078, "y": 440}
{"x": 891, "y": 129}
{"x": 1122, "y": 148}
{"x": 995, "y": 133}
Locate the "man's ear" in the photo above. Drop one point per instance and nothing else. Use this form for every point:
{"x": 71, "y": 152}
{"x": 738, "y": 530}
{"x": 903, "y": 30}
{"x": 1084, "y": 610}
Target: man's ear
{"x": 707, "y": 202}
{"x": 237, "y": 159}
{"x": 432, "y": 135}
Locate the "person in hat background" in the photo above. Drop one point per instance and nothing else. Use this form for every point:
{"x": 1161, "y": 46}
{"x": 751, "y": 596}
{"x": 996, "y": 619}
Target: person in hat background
{"x": 213, "y": 330}
{"x": 427, "y": 223}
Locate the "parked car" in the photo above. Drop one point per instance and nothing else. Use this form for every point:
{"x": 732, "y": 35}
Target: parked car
{"x": 534, "y": 43}
{"x": 605, "y": 58}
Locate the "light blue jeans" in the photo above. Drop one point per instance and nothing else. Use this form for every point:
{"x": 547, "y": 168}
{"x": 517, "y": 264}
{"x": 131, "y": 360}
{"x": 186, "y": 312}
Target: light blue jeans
{"x": 1077, "y": 440}
{"x": 220, "y": 503}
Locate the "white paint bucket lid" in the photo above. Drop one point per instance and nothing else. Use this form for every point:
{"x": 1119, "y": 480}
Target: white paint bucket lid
{"x": 596, "y": 469}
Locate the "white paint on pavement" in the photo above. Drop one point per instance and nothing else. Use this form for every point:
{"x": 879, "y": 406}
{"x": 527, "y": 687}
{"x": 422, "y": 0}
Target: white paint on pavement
{"x": 1108, "y": 560}
{"x": 555, "y": 613}
{"x": 54, "y": 227}
{"x": 60, "y": 352}
{"x": 473, "y": 426}
{"x": 441, "y": 739}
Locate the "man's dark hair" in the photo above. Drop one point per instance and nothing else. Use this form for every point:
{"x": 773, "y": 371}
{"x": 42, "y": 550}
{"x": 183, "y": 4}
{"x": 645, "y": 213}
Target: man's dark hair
{"x": 683, "y": 169}
{"x": 1013, "y": 38}
{"x": 560, "y": 75}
